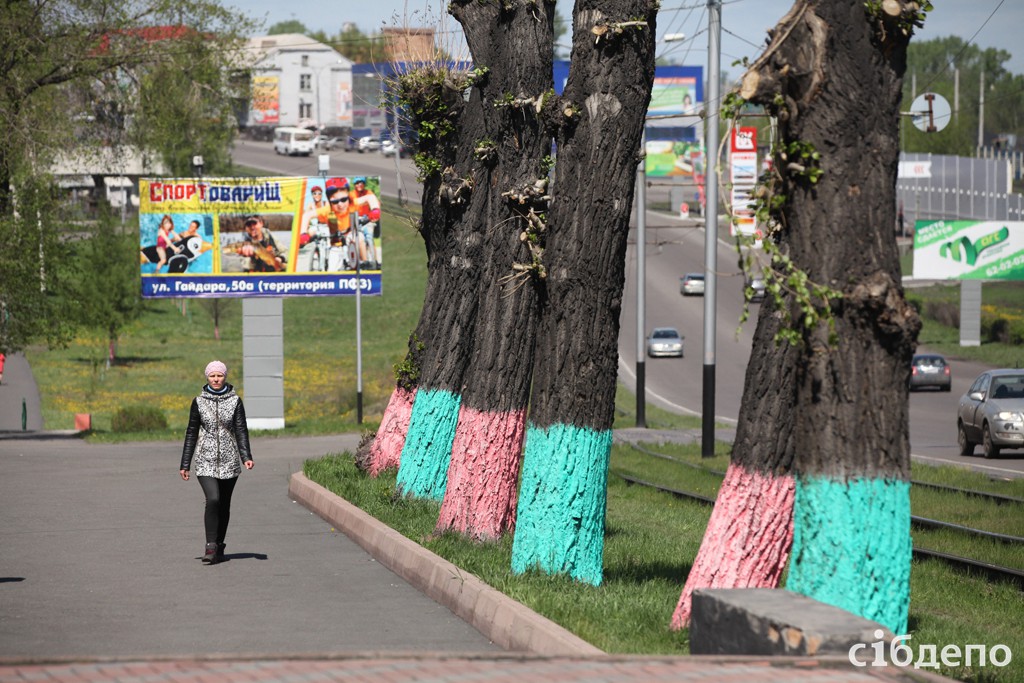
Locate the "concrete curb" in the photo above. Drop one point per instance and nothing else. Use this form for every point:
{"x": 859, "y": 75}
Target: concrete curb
{"x": 506, "y": 622}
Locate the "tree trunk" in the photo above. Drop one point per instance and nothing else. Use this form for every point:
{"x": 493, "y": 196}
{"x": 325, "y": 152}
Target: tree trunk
{"x": 453, "y": 222}
{"x": 561, "y": 510}
{"x": 510, "y": 176}
{"x": 833, "y": 77}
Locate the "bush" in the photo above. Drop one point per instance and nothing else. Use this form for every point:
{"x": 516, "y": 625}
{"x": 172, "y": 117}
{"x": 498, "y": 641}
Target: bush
{"x": 944, "y": 312}
{"x": 998, "y": 330}
{"x": 138, "y": 419}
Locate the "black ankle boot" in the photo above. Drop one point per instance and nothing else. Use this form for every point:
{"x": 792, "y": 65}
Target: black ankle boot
{"x": 210, "y": 554}
{"x": 219, "y": 556}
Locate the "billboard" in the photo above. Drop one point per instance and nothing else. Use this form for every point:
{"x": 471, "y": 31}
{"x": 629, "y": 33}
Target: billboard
{"x": 243, "y": 237}
{"x": 969, "y": 250}
{"x": 266, "y": 93}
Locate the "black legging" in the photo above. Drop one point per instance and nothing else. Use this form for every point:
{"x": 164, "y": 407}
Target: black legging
{"x": 218, "y": 506}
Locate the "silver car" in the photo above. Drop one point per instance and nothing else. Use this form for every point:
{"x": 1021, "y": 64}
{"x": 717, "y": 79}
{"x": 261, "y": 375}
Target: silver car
{"x": 930, "y": 370}
{"x": 665, "y": 341}
{"x": 692, "y": 284}
{"x": 992, "y": 413}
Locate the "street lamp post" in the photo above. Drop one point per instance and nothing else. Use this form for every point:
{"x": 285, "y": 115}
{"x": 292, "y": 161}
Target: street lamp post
{"x": 641, "y": 268}
{"x": 707, "y": 449}
{"x": 641, "y": 279}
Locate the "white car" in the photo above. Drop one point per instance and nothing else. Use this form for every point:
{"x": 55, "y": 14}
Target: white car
{"x": 368, "y": 143}
{"x": 665, "y": 341}
{"x": 692, "y": 284}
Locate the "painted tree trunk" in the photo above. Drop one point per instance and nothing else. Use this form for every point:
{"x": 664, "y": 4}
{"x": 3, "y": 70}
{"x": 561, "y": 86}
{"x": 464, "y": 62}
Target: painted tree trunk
{"x": 480, "y": 499}
{"x": 833, "y": 77}
{"x": 452, "y": 225}
{"x": 561, "y": 509}
{"x": 510, "y": 177}
{"x": 750, "y": 533}
{"x": 385, "y": 451}
{"x": 747, "y": 540}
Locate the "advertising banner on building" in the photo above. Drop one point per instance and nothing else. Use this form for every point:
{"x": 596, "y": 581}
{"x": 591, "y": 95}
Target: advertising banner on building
{"x": 241, "y": 237}
{"x": 969, "y": 250}
{"x": 266, "y": 95}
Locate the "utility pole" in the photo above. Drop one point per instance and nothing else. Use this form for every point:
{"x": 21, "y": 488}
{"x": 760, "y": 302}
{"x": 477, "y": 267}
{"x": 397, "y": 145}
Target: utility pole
{"x": 707, "y": 448}
{"x": 956, "y": 95}
{"x": 981, "y": 112}
{"x": 641, "y": 279}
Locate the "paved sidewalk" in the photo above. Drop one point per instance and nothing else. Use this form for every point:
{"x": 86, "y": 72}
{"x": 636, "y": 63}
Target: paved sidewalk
{"x": 19, "y": 394}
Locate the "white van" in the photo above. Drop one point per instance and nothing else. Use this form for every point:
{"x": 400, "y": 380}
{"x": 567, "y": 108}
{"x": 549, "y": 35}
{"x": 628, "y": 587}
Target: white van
{"x": 292, "y": 141}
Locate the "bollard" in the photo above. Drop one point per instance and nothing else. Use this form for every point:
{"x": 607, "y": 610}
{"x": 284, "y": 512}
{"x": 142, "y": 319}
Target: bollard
{"x": 24, "y": 415}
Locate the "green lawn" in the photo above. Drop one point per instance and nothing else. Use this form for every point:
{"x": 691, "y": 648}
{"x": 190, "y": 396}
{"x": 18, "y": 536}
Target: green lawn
{"x": 651, "y": 541}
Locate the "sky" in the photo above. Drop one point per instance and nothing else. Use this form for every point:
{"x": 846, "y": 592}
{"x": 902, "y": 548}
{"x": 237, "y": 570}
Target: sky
{"x": 985, "y": 23}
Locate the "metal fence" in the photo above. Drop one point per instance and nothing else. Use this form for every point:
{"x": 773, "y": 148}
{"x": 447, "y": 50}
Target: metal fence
{"x": 940, "y": 186}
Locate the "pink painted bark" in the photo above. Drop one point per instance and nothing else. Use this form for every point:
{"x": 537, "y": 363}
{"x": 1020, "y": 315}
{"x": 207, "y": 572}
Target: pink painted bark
{"x": 748, "y": 538}
{"x": 386, "y": 449}
{"x": 480, "y": 499}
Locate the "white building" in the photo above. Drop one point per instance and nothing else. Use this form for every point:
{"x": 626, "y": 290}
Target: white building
{"x": 297, "y": 81}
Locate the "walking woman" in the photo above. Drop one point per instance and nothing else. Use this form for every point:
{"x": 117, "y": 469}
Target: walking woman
{"x": 218, "y": 439}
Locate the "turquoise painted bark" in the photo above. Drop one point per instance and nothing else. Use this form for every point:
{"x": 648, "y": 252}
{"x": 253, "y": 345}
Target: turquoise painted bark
{"x": 852, "y": 547}
{"x": 560, "y": 517}
{"x": 423, "y": 469}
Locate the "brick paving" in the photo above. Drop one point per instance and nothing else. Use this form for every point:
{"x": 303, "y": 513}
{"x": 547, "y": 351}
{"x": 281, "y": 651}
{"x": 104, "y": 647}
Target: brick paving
{"x": 460, "y": 669}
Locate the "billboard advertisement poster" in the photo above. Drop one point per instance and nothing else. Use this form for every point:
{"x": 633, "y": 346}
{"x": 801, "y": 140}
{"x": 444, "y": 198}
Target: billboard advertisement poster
{"x": 673, "y": 158}
{"x": 247, "y": 237}
{"x": 969, "y": 250}
{"x": 265, "y": 95}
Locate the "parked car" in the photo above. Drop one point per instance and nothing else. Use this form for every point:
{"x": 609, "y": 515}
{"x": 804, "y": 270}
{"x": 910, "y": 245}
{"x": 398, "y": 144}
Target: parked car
{"x": 992, "y": 413}
{"x": 665, "y": 341}
{"x": 756, "y": 287}
{"x": 692, "y": 284}
{"x": 368, "y": 143}
{"x": 389, "y": 147}
{"x": 930, "y": 370}
{"x": 325, "y": 143}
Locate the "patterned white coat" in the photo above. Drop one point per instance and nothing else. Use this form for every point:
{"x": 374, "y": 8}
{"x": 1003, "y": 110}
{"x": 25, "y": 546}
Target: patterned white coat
{"x": 217, "y": 437}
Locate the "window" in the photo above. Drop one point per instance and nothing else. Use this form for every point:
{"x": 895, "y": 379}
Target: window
{"x": 305, "y": 83}
{"x": 305, "y": 110}
{"x": 305, "y": 60}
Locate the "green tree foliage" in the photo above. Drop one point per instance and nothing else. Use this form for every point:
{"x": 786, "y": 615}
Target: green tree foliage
{"x": 290, "y": 26}
{"x": 79, "y": 77}
{"x": 933, "y": 64}
{"x": 104, "y": 280}
{"x": 355, "y": 45}
{"x": 31, "y": 277}
{"x": 186, "y": 104}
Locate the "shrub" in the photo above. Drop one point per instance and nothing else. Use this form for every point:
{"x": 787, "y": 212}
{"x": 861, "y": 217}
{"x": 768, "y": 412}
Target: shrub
{"x": 944, "y": 312}
{"x": 138, "y": 419}
{"x": 999, "y": 330}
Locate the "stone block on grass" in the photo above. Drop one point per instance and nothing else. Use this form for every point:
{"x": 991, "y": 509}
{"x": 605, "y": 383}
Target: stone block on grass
{"x": 767, "y": 621}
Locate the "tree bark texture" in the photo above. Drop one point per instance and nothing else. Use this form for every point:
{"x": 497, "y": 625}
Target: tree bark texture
{"x": 385, "y": 451}
{"x": 832, "y": 75}
{"x": 452, "y": 221}
{"x": 509, "y": 178}
{"x": 600, "y": 121}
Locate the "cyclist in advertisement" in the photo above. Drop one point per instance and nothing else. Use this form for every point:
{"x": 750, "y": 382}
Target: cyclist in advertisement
{"x": 367, "y": 205}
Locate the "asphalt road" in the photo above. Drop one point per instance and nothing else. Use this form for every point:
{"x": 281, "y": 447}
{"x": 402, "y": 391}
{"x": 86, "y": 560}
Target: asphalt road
{"x": 676, "y": 246}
